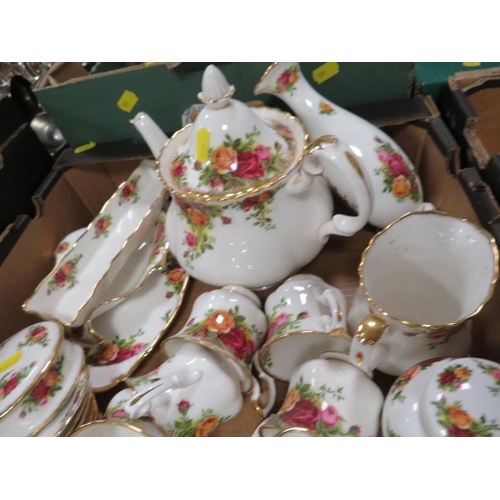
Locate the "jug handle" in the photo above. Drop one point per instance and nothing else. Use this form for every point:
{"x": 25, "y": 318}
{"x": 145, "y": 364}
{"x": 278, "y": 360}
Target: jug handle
{"x": 256, "y": 393}
{"x": 329, "y": 149}
{"x": 335, "y": 300}
{"x": 140, "y": 403}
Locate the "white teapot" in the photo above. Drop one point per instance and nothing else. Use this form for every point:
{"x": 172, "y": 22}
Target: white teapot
{"x": 250, "y": 206}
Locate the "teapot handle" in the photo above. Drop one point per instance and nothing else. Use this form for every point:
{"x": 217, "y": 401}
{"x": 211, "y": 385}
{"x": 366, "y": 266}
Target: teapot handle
{"x": 329, "y": 150}
{"x": 256, "y": 394}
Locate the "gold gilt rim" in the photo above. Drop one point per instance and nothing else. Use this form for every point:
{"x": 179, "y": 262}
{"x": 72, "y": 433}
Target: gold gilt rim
{"x": 282, "y": 432}
{"x": 153, "y": 420}
{"x": 120, "y": 423}
{"x": 145, "y": 353}
{"x": 409, "y": 324}
{"x": 106, "y": 272}
{"x": 263, "y": 77}
{"x": 83, "y": 415}
{"x": 335, "y": 333}
{"x": 187, "y": 194}
{"x": 225, "y": 354}
{"x": 43, "y": 371}
{"x": 66, "y": 398}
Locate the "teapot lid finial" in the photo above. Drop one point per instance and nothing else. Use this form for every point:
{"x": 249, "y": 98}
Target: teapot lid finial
{"x": 215, "y": 87}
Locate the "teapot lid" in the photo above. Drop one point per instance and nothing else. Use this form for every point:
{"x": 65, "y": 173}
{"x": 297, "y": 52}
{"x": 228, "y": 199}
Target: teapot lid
{"x": 231, "y": 149}
{"x": 461, "y": 399}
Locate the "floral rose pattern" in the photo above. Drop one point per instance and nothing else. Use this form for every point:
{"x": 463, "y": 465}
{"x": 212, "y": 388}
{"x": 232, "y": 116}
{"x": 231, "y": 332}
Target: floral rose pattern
{"x": 175, "y": 280}
{"x": 227, "y": 329}
{"x": 399, "y": 178}
{"x": 101, "y": 226}
{"x": 279, "y": 323}
{"x": 287, "y": 80}
{"x": 117, "y": 412}
{"x": 453, "y": 377}
{"x": 258, "y": 208}
{"x": 234, "y": 163}
{"x": 306, "y": 408}
{"x": 10, "y": 380}
{"x": 37, "y": 335}
{"x": 45, "y": 389}
{"x": 494, "y": 372}
{"x": 65, "y": 275}
{"x": 326, "y": 108}
{"x": 149, "y": 378}
{"x": 160, "y": 238}
{"x": 437, "y": 337}
{"x": 62, "y": 247}
{"x": 184, "y": 426}
{"x": 129, "y": 192}
{"x": 397, "y": 389}
{"x": 459, "y": 423}
{"x": 116, "y": 351}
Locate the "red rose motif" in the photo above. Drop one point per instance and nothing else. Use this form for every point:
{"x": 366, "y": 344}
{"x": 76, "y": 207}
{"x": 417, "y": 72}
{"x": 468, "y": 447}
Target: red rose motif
{"x": 397, "y": 166}
{"x": 123, "y": 355}
{"x": 40, "y": 332}
{"x": 191, "y": 240}
{"x": 284, "y": 80}
{"x": 99, "y": 224}
{"x": 138, "y": 348}
{"x": 237, "y": 343}
{"x": 40, "y": 392}
{"x": 249, "y": 203}
{"x": 455, "y": 431}
{"x": 249, "y": 166}
{"x": 226, "y": 220}
{"x": 10, "y": 385}
{"x": 447, "y": 378}
{"x": 303, "y": 414}
{"x": 184, "y": 406}
{"x": 60, "y": 276}
{"x": 183, "y": 206}
{"x": 126, "y": 191}
{"x": 179, "y": 170}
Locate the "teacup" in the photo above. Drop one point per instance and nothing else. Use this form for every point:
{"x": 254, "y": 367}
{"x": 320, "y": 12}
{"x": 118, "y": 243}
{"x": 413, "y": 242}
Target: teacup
{"x": 306, "y": 317}
{"x": 228, "y": 321}
{"x": 188, "y": 395}
{"x": 423, "y": 278}
{"x": 445, "y": 397}
{"x": 328, "y": 398}
{"x": 117, "y": 428}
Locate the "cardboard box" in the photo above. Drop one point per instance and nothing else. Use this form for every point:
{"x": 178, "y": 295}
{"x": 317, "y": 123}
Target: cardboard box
{"x": 96, "y": 108}
{"x": 82, "y": 189}
{"x": 431, "y": 77}
{"x": 471, "y": 107}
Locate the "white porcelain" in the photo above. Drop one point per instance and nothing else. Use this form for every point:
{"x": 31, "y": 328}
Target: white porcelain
{"x": 240, "y": 188}
{"x": 445, "y": 397}
{"x": 390, "y": 177}
{"x": 306, "y": 317}
{"x": 69, "y": 412}
{"x": 116, "y": 428}
{"x": 423, "y": 279}
{"x": 76, "y": 284}
{"x": 25, "y": 358}
{"x": 67, "y": 243}
{"x": 48, "y": 396}
{"x": 328, "y": 398}
{"x": 189, "y": 395}
{"x": 228, "y": 321}
{"x": 133, "y": 327}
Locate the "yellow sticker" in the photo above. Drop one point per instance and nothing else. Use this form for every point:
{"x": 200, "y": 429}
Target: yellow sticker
{"x": 325, "y": 71}
{"x": 85, "y": 147}
{"x": 127, "y": 101}
{"x": 10, "y": 361}
{"x": 471, "y": 65}
{"x": 202, "y": 144}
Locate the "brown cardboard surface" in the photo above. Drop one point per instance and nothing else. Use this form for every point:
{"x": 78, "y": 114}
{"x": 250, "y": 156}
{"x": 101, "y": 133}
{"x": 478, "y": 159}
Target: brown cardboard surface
{"x": 82, "y": 190}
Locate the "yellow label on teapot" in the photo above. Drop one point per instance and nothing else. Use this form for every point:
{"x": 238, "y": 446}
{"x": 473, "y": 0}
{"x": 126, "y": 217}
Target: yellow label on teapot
{"x": 471, "y": 64}
{"x": 10, "y": 361}
{"x": 127, "y": 101}
{"x": 85, "y": 147}
{"x": 325, "y": 71}
{"x": 202, "y": 144}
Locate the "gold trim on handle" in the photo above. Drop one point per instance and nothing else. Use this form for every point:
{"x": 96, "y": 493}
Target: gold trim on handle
{"x": 371, "y": 329}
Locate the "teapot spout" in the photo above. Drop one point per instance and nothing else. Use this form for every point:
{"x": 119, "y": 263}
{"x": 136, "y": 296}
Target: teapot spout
{"x": 153, "y": 135}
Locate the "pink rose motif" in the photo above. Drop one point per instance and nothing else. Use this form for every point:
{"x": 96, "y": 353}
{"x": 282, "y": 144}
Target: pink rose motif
{"x": 330, "y": 416}
{"x": 303, "y": 414}
{"x": 99, "y": 225}
{"x": 60, "y": 276}
{"x": 118, "y": 414}
{"x": 123, "y": 355}
{"x": 226, "y": 220}
{"x": 249, "y": 166}
{"x": 184, "y": 406}
{"x": 397, "y": 166}
{"x": 10, "y": 385}
{"x": 271, "y": 328}
{"x": 262, "y": 153}
{"x": 40, "y": 392}
{"x": 284, "y": 79}
{"x": 281, "y": 319}
{"x": 495, "y": 373}
{"x": 383, "y": 155}
{"x": 191, "y": 240}
{"x": 138, "y": 348}
{"x": 437, "y": 335}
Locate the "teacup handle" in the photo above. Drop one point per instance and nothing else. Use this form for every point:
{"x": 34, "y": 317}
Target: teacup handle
{"x": 330, "y": 149}
{"x": 256, "y": 393}
{"x": 335, "y": 300}
{"x": 365, "y": 351}
{"x": 140, "y": 403}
